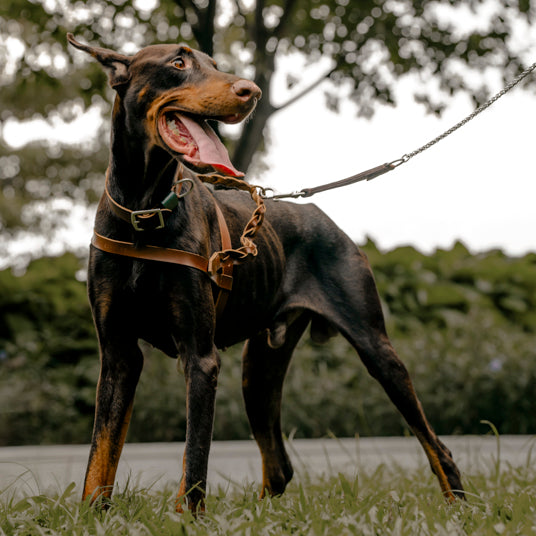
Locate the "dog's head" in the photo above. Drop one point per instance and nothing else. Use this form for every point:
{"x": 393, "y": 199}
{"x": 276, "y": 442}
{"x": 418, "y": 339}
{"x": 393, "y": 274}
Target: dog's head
{"x": 169, "y": 91}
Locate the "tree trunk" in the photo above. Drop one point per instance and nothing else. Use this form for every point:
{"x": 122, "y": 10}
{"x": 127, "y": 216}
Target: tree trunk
{"x": 252, "y": 136}
{"x": 204, "y": 31}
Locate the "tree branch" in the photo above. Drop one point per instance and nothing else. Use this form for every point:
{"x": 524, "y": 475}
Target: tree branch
{"x": 240, "y": 8}
{"x": 287, "y": 12}
{"x": 187, "y": 3}
{"x": 304, "y": 91}
{"x": 259, "y": 29}
{"x": 203, "y": 29}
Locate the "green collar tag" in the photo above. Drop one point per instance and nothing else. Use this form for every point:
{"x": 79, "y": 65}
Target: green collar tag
{"x": 171, "y": 201}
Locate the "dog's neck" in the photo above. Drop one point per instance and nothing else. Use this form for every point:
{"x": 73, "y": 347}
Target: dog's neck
{"x": 140, "y": 173}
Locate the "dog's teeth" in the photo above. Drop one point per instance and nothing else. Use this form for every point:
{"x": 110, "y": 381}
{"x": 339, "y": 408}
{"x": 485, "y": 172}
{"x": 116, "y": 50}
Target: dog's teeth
{"x": 172, "y": 125}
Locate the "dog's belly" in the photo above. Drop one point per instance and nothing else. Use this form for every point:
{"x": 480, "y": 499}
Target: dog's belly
{"x": 252, "y": 304}
{"x": 161, "y": 309}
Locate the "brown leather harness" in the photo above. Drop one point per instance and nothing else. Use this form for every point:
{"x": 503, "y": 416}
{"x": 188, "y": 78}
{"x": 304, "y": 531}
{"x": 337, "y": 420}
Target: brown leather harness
{"x": 220, "y": 265}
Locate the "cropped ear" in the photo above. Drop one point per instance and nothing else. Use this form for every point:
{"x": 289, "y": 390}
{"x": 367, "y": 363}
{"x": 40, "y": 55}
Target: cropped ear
{"x": 116, "y": 65}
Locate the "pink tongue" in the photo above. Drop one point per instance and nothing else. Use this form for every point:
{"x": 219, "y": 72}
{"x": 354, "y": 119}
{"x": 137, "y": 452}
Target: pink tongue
{"x": 211, "y": 149}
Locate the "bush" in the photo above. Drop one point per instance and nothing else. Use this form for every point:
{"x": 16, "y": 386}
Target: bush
{"x": 48, "y": 355}
{"x": 463, "y": 324}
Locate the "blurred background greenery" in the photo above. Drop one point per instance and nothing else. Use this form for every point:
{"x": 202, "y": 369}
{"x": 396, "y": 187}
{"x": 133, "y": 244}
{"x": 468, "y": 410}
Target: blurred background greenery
{"x": 464, "y": 325}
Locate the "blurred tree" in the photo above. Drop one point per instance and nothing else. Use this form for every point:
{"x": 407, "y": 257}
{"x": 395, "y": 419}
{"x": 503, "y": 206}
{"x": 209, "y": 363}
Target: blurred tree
{"x": 362, "y": 47}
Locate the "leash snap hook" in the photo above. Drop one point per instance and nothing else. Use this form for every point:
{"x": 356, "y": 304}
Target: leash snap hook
{"x": 293, "y": 195}
{"x": 269, "y": 193}
{"x": 399, "y": 161}
{"x": 266, "y": 193}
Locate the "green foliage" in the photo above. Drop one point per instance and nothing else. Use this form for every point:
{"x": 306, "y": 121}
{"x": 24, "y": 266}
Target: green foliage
{"x": 48, "y": 354}
{"x": 463, "y": 324}
{"x": 387, "y": 501}
{"x": 436, "y": 288}
{"x": 370, "y": 45}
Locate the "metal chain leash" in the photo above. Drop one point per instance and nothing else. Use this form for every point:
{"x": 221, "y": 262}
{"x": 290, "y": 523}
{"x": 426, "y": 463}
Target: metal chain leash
{"x": 258, "y": 193}
{"x": 471, "y": 116}
{"x": 372, "y": 173}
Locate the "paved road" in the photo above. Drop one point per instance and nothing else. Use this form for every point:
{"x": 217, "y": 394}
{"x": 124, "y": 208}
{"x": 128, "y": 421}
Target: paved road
{"x": 30, "y": 470}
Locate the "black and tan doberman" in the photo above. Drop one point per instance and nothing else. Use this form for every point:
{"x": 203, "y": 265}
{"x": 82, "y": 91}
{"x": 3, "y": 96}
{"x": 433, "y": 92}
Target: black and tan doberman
{"x": 306, "y": 272}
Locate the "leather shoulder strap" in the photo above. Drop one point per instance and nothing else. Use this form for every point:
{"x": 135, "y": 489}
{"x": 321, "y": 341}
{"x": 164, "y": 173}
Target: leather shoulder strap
{"x": 223, "y": 276}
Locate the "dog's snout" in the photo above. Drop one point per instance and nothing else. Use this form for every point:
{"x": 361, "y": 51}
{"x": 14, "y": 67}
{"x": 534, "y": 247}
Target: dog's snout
{"x": 246, "y": 90}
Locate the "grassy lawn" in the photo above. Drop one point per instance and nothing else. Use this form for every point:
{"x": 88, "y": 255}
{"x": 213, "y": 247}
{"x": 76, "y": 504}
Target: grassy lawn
{"x": 501, "y": 500}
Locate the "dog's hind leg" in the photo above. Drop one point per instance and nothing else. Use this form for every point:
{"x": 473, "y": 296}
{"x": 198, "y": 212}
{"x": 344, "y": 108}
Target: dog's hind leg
{"x": 383, "y": 364}
{"x": 352, "y": 304}
{"x": 264, "y": 366}
{"x": 121, "y": 365}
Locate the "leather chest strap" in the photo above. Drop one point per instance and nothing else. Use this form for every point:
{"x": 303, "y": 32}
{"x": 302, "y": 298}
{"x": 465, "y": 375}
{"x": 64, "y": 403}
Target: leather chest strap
{"x": 222, "y": 276}
{"x": 152, "y": 253}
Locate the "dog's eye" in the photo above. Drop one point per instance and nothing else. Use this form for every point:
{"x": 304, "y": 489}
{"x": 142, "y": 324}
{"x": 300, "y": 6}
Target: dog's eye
{"x": 180, "y": 63}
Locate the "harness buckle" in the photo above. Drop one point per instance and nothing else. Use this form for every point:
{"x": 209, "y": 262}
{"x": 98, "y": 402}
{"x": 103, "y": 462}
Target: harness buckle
{"x": 145, "y": 214}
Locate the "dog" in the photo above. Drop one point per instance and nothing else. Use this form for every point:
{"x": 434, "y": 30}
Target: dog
{"x": 301, "y": 270}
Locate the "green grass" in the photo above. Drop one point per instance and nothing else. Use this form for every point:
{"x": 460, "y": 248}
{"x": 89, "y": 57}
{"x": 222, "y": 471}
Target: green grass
{"x": 387, "y": 501}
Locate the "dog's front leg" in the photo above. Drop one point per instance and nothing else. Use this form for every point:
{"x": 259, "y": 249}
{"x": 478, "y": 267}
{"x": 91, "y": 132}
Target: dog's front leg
{"x": 201, "y": 374}
{"x": 121, "y": 365}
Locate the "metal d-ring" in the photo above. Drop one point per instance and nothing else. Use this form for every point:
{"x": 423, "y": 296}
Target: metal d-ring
{"x": 180, "y": 183}
{"x": 172, "y": 199}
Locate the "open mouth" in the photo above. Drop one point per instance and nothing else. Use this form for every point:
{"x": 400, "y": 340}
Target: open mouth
{"x": 193, "y": 138}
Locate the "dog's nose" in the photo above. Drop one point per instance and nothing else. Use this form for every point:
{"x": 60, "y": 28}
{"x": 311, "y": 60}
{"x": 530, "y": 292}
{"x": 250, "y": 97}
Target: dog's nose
{"x": 246, "y": 90}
